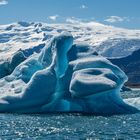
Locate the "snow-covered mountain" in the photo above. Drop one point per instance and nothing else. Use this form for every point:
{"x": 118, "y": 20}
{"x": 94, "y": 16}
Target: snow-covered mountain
{"x": 118, "y": 47}
{"x": 107, "y": 40}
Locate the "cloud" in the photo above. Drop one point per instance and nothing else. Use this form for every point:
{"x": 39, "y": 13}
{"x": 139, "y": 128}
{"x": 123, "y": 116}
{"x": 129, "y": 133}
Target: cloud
{"x": 72, "y": 20}
{"x": 54, "y": 17}
{"x": 82, "y": 22}
{"x": 3, "y": 2}
{"x": 83, "y": 6}
{"x": 114, "y": 19}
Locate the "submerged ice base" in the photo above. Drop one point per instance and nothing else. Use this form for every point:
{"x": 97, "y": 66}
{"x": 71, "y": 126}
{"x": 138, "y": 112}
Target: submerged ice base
{"x": 64, "y": 77}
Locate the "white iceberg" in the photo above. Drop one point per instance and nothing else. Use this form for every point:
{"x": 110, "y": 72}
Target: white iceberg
{"x": 64, "y": 77}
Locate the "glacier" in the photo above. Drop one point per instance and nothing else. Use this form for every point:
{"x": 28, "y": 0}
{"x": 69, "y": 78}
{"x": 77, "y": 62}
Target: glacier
{"x": 63, "y": 77}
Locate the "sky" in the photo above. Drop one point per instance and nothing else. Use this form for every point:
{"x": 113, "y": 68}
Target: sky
{"x": 120, "y": 13}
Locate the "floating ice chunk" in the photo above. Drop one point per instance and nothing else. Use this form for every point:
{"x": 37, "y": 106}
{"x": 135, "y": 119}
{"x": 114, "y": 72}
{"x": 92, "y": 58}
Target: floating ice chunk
{"x": 134, "y": 102}
{"x": 65, "y": 78}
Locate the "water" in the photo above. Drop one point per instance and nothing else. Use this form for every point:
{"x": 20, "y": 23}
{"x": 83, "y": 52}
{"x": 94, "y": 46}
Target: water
{"x": 71, "y": 126}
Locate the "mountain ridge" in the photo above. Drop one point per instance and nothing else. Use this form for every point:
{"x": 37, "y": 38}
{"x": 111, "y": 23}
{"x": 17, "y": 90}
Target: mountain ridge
{"x": 109, "y": 41}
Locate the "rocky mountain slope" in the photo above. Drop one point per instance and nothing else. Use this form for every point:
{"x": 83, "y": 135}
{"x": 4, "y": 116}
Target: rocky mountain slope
{"x": 131, "y": 66}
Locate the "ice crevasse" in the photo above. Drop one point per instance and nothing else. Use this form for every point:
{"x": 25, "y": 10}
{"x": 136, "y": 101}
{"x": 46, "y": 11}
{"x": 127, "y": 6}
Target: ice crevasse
{"x": 64, "y": 77}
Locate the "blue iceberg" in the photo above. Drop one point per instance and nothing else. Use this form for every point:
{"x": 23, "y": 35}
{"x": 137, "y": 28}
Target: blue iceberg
{"x": 64, "y": 77}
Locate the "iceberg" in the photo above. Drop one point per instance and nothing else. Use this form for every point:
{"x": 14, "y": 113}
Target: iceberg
{"x": 64, "y": 77}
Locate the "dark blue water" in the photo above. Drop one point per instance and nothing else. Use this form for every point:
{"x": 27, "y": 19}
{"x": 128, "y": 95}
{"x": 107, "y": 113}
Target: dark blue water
{"x": 70, "y": 126}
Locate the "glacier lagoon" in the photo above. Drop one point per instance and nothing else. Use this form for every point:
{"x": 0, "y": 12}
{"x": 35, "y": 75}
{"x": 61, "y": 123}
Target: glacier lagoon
{"x": 71, "y": 126}
{"x": 64, "y": 126}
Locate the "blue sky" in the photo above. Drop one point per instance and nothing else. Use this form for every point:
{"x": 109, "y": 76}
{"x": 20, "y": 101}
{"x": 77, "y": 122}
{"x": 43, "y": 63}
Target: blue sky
{"x": 121, "y": 13}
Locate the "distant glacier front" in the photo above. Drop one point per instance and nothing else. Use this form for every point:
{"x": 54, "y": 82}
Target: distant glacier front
{"x": 63, "y": 77}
